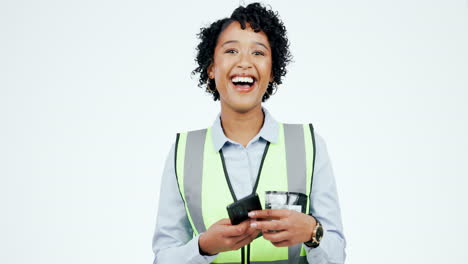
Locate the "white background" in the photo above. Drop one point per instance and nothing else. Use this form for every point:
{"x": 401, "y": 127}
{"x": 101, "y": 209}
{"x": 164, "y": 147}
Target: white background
{"x": 93, "y": 92}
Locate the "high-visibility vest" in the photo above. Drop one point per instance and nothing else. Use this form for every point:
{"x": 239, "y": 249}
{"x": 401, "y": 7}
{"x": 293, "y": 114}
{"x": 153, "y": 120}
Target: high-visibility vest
{"x": 204, "y": 185}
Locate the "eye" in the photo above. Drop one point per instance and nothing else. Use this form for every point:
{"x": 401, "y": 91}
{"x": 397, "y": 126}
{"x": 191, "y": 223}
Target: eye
{"x": 231, "y": 51}
{"x": 261, "y": 53}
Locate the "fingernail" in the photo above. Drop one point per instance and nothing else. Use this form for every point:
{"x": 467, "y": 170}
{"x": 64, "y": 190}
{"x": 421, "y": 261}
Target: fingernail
{"x": 251, "y": 214}
{"x": 253, "y": 224}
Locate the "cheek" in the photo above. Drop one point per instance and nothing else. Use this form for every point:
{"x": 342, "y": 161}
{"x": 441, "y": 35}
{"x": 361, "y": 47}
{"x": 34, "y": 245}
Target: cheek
{"x": 265, "y": 67}
{"x": 221, "y": 69}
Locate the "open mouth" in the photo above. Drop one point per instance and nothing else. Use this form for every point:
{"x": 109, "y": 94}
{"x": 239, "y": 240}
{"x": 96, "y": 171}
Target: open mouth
{"x": 244, "y": 83}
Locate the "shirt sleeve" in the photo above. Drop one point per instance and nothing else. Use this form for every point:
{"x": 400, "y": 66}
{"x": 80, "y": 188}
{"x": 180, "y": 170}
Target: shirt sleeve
{"x": 325, "y": 207}
{"x": 173, "y": 240}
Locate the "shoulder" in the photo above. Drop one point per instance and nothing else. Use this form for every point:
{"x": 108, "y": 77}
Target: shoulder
{"x": 319, "y": 140}
{"x": 310, "y": 128}
{"x": 191, "y": 137}
{"x": 181, "y": 137}
{"x": 194, "y": 131}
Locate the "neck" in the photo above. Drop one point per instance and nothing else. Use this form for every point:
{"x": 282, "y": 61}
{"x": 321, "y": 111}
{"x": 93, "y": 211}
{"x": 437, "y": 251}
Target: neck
{"x": 242, "y": 127}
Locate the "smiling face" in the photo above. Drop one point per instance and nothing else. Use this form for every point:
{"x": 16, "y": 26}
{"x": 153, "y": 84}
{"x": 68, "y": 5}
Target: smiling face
{"x": 241, "y": 68}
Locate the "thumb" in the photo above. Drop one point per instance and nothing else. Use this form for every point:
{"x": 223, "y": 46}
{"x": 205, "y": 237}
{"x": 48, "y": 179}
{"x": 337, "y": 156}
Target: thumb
{"x": 224, "y": 221}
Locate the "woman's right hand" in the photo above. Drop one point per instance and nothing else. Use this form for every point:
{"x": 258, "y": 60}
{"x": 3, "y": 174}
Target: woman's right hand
{"x": 222, "y": 236}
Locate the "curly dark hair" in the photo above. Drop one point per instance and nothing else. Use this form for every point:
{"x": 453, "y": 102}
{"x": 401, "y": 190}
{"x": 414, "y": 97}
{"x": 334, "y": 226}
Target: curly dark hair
{"x": 260, "y": 19}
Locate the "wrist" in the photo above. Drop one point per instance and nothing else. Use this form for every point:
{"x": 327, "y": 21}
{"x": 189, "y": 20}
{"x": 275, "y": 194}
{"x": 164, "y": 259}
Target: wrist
{"x": 202, "y": 246}
{"x": 317, "y": 234}
{"x": 312, "y": 223}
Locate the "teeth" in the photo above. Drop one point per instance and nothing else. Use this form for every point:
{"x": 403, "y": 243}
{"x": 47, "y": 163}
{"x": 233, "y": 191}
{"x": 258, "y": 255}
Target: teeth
{"x": 242, "y": 79}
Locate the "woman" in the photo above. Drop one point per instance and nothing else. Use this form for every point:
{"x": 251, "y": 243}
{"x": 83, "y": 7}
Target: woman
{"x": 241, "y": 61}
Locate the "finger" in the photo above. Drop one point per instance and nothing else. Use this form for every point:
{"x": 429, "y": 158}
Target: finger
{"x": 276, "y": 236}
{"x": 224, "y": 221}
{"x": 252, "y": 232}
{"x": 252, "y": 229}
{"x": 270, "y": 213}
{"x": 243, "y": 242}
{"x": 235, "y": 230}
{"x": 236, "y": 239}
{"x": 269, "y": 225}
{"x": 285, "y": 243}
{"x": 254, "y": 235}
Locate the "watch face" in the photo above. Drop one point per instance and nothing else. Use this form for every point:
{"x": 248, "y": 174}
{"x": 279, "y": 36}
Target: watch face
{"x": 319, "y": 233}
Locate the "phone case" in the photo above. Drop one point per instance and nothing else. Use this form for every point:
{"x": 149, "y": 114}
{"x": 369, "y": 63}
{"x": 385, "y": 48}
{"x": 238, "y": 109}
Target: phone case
{"x": 238, "y": 211}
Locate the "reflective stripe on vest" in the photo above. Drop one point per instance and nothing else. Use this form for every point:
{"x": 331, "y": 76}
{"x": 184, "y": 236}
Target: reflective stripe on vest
{"x": 287, "y": 166}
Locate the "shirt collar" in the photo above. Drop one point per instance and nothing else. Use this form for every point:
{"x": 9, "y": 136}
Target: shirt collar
{"x": 269, "y": 131}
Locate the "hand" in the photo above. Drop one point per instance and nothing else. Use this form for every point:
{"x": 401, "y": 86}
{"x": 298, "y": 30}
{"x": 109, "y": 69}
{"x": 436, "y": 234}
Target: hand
{"x": 294, "y": 227}
{"x": 222, "y": 236}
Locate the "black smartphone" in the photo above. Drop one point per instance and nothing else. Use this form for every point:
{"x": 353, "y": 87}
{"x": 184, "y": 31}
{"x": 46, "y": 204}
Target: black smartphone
{"x": 238, "y": 211}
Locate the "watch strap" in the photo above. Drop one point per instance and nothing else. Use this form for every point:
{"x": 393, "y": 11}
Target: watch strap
{"x": 316, "y": 234}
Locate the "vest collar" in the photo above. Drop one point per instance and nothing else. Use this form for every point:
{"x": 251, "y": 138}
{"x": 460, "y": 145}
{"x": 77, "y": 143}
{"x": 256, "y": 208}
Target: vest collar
{"x": 269, "y": 132}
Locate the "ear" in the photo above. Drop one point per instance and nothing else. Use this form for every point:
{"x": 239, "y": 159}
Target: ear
{"x": 271, "y": 77}
{"x": 210, "y": 71}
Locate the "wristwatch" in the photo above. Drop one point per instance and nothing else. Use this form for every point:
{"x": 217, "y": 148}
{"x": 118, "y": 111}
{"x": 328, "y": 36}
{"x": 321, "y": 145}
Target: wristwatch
{"x": 317, "y": 235}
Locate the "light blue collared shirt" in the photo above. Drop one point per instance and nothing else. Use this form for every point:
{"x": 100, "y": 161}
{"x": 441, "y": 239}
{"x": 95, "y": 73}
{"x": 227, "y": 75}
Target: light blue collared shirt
{"x": 173, "y": 241}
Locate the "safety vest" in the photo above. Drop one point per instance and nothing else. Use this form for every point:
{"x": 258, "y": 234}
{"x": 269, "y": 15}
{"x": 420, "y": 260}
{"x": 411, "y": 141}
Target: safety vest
{"x": 205, "y": 188}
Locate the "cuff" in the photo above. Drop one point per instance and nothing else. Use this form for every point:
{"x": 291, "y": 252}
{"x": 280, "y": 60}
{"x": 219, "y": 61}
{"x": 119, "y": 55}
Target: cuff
{"x": 316, "y": 255}
{"x": 330, "y": 250}
{"x": 196, "y": 257}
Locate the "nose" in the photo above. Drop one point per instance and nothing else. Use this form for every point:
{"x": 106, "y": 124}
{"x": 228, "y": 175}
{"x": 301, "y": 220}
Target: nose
{"x": 244, "y": 61}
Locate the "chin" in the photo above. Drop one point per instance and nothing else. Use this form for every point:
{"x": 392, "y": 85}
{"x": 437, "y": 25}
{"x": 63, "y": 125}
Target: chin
{"x": 245, "y": 108}
{"x": 242, "y": 103}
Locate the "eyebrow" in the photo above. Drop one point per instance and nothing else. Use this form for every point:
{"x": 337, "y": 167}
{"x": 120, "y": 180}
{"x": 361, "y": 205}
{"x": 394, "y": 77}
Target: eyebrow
{"x": 236, "y": 41}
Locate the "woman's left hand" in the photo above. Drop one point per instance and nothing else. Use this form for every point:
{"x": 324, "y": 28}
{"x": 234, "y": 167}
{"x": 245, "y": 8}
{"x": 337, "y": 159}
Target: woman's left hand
{"x": 293, "y": 227}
